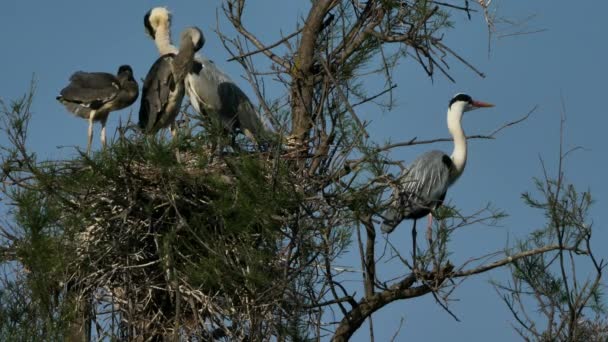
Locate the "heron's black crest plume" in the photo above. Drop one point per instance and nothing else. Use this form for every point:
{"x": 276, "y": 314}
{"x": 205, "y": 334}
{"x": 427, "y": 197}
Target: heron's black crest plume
{"x": 460, "y": 97}
{"x": 149, "y": 29}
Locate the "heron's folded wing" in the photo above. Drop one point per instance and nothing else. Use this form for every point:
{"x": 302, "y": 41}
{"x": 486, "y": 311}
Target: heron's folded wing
{"x": 91, "y": 89}
{"x": 426, "y": 181}
{"x": 236, "y": 105}
{"x": 158, "y": 85}
{"x": 92, "y": 79}
{"x": 204, "y": 78}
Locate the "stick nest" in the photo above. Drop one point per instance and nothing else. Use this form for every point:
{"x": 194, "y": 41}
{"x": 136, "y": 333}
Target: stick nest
{"x": 195, "y": 247}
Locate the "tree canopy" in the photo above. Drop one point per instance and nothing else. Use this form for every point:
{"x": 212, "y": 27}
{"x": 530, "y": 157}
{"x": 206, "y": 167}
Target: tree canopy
{"x": 178, "y": 239}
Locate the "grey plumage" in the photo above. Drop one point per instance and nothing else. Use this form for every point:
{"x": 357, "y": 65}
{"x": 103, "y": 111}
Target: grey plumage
{"x": 422, "y": 189}
{"x": 163, "y": 88}
{"x": 212, "y": 93}
{"x": 93, "y": 95}
{"x": 237, "y": 112}
{"x": 161, "y": 97}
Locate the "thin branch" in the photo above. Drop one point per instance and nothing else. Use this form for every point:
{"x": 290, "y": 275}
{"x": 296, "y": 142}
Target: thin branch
{"x": 461, "y": 59}
{"x": 344, "y": 98}
{"x": 515, "y": 257}
{"x": 235, "y": 19}
{"x": 491, "y": 135}
{"x": 267, "y": 47}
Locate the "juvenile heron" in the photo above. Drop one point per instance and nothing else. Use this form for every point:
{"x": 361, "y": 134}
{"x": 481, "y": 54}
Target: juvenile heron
{"x": 163, "y": 88}
{"x": 93, "y": 95}
{"x": 210, "y": 90}
{"x": 424, "y": 185}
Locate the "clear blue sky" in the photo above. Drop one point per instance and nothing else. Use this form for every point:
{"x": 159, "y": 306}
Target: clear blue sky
{"x": 54, "y": 39}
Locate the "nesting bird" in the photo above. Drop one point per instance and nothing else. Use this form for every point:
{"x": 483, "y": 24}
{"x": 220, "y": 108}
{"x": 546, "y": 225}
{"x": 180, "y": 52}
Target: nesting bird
{"x": 424, "y": 185}
{"x": 163, "y": 88}
{"x": 93, "y": 95}
{"x": 210, "y": 90}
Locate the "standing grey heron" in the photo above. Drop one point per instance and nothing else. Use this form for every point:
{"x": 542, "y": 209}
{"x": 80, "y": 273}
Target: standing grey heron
{"x": 210, "y": 90}
{"x": 163, "y": 88}
{"x": 93, "y": 95}
{"x": 424, "y": 185}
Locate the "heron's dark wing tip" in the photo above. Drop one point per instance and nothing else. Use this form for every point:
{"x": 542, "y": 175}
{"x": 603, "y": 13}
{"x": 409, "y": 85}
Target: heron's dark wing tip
{"x": 387, "y": 229}
{"x": 390, "y": 220}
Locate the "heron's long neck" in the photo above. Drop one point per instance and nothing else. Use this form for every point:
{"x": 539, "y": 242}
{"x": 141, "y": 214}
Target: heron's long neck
{"x": 459, "y": 155}
{"x": 182, "y": 62}
{"x": 163, "y": 39}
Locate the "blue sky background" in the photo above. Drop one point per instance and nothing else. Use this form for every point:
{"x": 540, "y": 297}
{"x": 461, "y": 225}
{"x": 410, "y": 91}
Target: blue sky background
{"x": 51, "y": 40}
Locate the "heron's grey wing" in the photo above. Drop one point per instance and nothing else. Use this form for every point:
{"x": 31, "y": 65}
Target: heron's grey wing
{"x": 422, "y": 188}
{"x": 203, "y": 82}
{"x": 426, "y": 182}
{"x": 91, "y": 89}
{"x": 235, "y": 103}
{"x": 391, "y": 218}
{"x": 158, "y": 85}
{"x": 92, "y": 79}
{"x": 212, "y": 91}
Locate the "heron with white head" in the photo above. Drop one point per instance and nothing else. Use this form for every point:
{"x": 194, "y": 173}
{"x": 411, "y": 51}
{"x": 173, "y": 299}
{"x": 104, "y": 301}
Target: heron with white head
{"x": 423, "y": 186}
{"x": 163, "y": 89}
{"x": 210, "y": 90}
{"x": 93, "y": 95}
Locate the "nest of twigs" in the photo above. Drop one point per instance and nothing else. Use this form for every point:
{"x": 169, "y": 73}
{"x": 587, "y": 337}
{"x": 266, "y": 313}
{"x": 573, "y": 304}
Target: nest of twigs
{"x": 187, "y": 243}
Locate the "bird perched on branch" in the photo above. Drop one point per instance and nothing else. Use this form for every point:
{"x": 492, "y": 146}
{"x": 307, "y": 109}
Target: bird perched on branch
{"x": 163, "y": 88}
{"x": 422, "y": 187}
{"x": 93, "y": 95}
{"x": 210, "y": 90}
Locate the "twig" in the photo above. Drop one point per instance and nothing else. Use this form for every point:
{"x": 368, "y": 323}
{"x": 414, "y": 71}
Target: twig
{"x": 344, "y": 98}
{"x": 267, "y": 47}
{"x": 512, "y": 258}
{"x": 491, "y": 135}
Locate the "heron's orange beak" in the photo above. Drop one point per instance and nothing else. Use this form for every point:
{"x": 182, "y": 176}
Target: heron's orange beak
{"x": 482, "y": 104}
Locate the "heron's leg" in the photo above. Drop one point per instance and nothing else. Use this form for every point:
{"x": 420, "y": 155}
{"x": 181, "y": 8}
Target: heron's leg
{"x": 103, "y": 131}
{"x": 414, "y": 233}
{"x": 90, "y": 137}
{"x": 429, "y": 230}
{"x": 173, "y": 136}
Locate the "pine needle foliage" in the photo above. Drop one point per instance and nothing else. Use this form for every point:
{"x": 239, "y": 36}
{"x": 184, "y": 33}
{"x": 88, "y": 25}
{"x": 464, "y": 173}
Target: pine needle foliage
{"x": 160, "y": 236}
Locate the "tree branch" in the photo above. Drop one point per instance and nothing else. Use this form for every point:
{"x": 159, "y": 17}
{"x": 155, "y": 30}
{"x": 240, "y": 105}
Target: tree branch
{"x": 368, "y": 305}
{"x": 491, "y": 135}
{"x": 515, "y": 257}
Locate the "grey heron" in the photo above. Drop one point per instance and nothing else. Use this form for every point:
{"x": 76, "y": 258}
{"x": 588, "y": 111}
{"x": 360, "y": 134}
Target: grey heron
{"x": 210, "y": 90}
{"x": 163, "y": 88}
{"x": 93, "y": 95}
{"x": 424, "y": 185}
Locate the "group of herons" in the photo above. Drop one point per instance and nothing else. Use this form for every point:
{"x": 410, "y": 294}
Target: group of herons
{"x": 422, "y": 186}
{"x": 93, "y": 95}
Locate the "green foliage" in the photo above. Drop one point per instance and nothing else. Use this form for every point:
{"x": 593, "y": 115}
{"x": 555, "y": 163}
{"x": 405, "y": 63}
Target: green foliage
{"x": 203, "y": 236}
{"x": 551, "y": 278}
{"x": 139, "y": 220}
{"x": 566, "y": 211}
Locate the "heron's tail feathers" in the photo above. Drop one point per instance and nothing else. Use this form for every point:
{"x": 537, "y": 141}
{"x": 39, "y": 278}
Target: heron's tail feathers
{"x": 392, "y": 218}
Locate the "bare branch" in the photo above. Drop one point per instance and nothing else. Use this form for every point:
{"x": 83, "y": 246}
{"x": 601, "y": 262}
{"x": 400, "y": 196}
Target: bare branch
{"x": 491, "y": 135}
{"x": 513, "y": 258}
